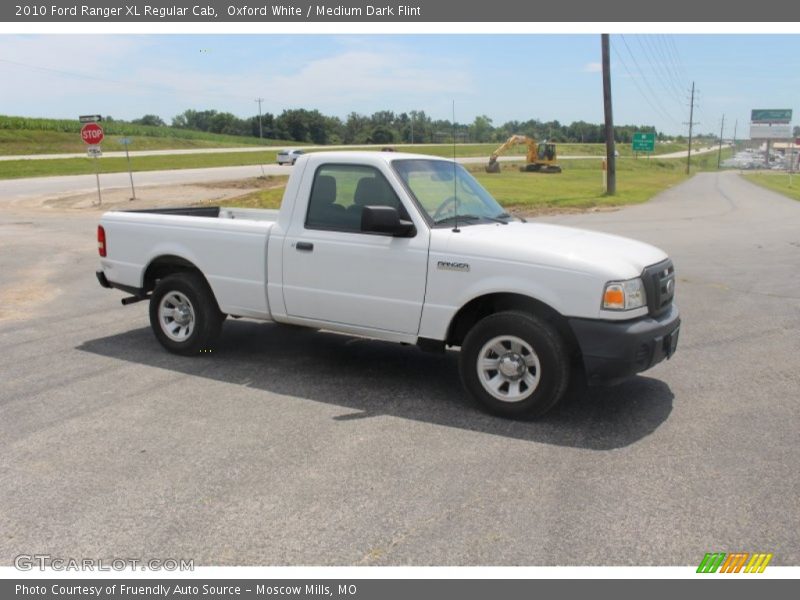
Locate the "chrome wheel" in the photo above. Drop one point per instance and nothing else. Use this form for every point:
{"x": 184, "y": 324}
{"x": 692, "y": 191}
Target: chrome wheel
{"x": 508, "y": 368}
{"x": 176, "y": 316}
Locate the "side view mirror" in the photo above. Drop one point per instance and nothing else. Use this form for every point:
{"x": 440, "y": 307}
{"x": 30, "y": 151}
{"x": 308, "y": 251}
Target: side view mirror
{"x": 385, "y": 220}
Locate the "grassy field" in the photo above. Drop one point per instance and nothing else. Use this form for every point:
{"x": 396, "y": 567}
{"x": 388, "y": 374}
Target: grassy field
{"x": 580, "y": 186}
{"x": 12, "y": 169}
{"x": 17, "y": 142}
{"x": 22, "y": 135}
{"x": 777, "y": 182}
{"x": 471, "y": 150}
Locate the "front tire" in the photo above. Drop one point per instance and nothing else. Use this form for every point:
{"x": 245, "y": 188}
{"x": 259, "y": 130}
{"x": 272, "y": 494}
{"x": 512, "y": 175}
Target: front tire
{"x": 184, "y": 314}
{"x": 515, "y": 365}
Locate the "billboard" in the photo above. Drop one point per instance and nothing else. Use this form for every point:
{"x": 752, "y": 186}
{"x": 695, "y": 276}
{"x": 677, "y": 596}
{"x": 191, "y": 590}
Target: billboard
{"x": 770, "y": 131}
{"x": 771, "y": 115}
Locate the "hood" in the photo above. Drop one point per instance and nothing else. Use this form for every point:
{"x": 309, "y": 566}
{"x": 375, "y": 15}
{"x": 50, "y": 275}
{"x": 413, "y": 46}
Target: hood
{"x": 611, "y": 256}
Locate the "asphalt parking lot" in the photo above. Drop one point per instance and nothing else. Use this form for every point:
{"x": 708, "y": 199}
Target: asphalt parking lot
{"x": 289, "y": 446}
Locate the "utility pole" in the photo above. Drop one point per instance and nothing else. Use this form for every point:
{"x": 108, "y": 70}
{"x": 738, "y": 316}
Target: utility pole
{"x": 260, "y": 129}
{"x": 721, "y": 129}
{"x": 611, "y": 164}
{"x": 735, "y": 125}
{"x": 691, "y": 123}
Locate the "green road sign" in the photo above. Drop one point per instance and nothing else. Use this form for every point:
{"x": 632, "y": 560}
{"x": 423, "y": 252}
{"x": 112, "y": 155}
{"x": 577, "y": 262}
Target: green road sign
{"x": 644, "y": 141}
{"x": 771, "y": 115}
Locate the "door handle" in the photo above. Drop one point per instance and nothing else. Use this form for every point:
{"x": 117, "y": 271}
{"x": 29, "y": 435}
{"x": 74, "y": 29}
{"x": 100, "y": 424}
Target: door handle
{"x": 307, "y": 246}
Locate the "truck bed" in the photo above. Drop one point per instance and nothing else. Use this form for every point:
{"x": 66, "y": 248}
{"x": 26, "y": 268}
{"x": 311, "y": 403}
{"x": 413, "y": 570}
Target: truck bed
{"x": 227, "y": 245}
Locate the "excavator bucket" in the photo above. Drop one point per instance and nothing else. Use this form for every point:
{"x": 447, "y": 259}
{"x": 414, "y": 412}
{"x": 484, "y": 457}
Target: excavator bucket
{"x": 493, "y": 167}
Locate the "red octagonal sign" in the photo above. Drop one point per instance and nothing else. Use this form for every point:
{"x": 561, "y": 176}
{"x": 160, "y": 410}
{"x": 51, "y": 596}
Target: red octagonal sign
{"x": 92, "y": 133}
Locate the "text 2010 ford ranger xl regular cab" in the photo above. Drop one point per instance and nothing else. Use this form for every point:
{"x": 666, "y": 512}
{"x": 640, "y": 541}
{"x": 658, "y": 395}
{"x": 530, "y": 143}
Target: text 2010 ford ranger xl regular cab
{"x": 410, "y": 249}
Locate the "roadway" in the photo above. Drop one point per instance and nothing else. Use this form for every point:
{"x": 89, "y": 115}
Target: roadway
{"x": 67, "y": 185}
{"x": 269, "y": 149}
{"x": 295, "y": 447}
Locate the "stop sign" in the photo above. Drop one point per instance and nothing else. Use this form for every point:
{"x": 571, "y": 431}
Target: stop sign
{"x": 92, "y": 133}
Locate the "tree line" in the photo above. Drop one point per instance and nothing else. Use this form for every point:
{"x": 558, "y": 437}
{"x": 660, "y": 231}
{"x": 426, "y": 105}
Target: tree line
{"x": 386, "y": 127}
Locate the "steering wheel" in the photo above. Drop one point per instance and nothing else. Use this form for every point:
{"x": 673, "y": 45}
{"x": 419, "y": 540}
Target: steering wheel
{"x": 443, "y": 207}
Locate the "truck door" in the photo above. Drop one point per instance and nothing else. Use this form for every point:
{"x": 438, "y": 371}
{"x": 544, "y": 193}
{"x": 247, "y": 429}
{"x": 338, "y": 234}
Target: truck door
{"x": 333, "y": 272}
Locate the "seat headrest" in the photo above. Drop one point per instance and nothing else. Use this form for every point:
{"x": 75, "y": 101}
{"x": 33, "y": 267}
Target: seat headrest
{"x": 371, "y": 190}
{"x": 324, "y": 191}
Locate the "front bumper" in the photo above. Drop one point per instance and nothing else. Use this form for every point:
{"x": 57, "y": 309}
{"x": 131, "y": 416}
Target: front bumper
{"x": 613, "y": 350}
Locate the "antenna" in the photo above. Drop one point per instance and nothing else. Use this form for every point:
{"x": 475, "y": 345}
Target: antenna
{"x": 455, "y": 181}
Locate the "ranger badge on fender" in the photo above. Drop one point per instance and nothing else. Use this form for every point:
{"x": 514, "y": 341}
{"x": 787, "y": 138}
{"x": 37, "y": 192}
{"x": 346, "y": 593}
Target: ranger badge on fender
{"x": 452, "y": 266}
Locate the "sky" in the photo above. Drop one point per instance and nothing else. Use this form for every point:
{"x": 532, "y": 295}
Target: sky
{"x": 506, "y": 77}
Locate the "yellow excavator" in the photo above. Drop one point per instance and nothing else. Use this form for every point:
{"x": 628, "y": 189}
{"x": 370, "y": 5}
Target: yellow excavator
{"x": 541, "y": 157}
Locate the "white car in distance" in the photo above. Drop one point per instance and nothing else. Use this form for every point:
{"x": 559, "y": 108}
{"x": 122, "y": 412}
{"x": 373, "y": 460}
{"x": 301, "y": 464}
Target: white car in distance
{"x": 289, "y": 156}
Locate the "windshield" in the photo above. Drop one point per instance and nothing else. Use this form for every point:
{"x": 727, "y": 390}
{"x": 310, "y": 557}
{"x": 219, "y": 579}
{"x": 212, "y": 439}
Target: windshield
{"x": 442, "y": 189}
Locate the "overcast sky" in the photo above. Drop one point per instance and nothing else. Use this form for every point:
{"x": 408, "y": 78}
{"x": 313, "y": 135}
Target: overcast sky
{"x": 514, "y": 77}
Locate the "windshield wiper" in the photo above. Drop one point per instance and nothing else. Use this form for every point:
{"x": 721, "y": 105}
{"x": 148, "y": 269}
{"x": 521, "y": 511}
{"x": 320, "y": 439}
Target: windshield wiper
{"x": 459, "y": 216}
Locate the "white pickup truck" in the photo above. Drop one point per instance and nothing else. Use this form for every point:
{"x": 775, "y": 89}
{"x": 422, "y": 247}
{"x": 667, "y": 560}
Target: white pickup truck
{"x": 410, "y": 249}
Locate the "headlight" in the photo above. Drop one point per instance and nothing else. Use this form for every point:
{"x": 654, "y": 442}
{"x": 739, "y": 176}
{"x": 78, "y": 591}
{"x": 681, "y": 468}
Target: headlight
{"x": 624, "y": 295}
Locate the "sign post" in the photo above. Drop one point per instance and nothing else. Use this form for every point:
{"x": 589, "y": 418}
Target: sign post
{"x": 92, "y": 134}
{"x": 604, "y": 167}
{"x": 127, "y": 142}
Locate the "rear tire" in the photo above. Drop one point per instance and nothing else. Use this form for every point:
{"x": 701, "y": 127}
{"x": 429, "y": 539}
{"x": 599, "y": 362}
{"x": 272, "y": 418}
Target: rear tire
{"x": 184, "y": 314}
{"x": 515, "y": 365}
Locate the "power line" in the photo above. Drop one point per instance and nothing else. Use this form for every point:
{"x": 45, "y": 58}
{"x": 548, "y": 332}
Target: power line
{"x": 661, "y": 112}
{"x": 679, "y": 80}
{"x": 666, "y": 68}
{"x": 646, "y": 82}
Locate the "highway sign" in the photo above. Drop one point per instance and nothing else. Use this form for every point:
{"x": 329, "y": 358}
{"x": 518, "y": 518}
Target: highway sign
{"x": 771, "y": 115}
{"x": 90, "y": 118}
{"x": 94, "y": 151}
{"x": 644, "y": 141}
{"x": 92, "y": 133}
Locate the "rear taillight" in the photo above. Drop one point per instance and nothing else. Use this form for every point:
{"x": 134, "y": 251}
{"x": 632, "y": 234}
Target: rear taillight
{"x": 101, "y": 240}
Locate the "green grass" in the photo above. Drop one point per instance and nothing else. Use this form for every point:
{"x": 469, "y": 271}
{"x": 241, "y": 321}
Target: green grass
{"x": 579, "y": 186}
{"x": 777, "y": 182}
{"x": 22, "y": 135}
{"x": 27, "y": 141}
{"x": 268, "y": 198}
{"x": 80, "y": 166}
{"x": 40, "y": 130}
{"x": 469, "y": 150}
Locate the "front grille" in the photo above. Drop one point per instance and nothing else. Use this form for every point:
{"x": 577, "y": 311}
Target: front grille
{"x": 659, "y": 285}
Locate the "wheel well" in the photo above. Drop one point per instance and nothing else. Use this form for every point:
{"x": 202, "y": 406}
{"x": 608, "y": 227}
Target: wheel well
{"x": 483, "y": 306}
{"x": 167, "y": 265}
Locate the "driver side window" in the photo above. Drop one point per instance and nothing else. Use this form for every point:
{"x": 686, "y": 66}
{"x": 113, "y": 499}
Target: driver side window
{"x": 339, "y": 194}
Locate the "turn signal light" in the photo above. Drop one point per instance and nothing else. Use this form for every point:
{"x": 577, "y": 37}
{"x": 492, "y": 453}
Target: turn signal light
{"x": 614, "y": 297}
{"x": 101, "y": 240}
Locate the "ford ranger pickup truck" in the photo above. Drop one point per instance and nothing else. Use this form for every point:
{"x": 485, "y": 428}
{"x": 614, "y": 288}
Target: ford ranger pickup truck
{"x": 409, "y": 249}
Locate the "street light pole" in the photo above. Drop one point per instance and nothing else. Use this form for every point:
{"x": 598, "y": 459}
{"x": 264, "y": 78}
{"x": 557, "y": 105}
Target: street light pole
{"x": 260, "y": 129}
